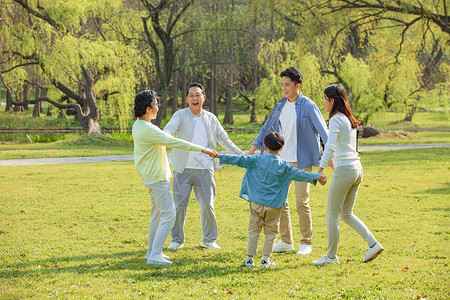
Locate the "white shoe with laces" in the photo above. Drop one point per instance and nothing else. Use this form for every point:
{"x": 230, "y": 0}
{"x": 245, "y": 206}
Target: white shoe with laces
{"x": 304, "y": 249}
{"x": 149, "y": 252}
{"x": 211, "y": 245}
{"x": 267, "y": 263}
{"x": 175, "y": 246}
{"x": 158, "y": 260}
{"x": 283, "y": 247}
{"x": 372, "y": 252}
{"x": 325, "y": 260}
{"x": 249, "y": 262}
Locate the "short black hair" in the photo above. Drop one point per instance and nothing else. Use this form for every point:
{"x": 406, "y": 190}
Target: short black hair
{"x": 294, "y": 74}
{"x": 195, "y": 84}
{"x": 143, "y": 100}
{"x": 274, "y": 141}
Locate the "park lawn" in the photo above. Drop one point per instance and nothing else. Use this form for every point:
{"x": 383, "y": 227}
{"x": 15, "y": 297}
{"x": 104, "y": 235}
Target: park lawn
{"x": 74, "y": 231}
{"x": 244, "y": 140}
{"x": 85, "y": 145}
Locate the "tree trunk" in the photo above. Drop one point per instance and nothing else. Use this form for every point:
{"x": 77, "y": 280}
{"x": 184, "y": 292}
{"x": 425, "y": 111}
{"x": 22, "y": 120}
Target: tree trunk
{"x": 19, "y": 98}
{"x": 26, "y": 93}
{"x": 162, "y": 113}
{"x": 183, "y": 82}
{"x": 9, "y": 98}
{"x": 175, "y": 92}
{"x": 90, "y": 117}
{"x": 253, "y": 112}
{"x": 228, "y": 119}
{"x": 37, "y": 106}
{"x": 411, "y": 110}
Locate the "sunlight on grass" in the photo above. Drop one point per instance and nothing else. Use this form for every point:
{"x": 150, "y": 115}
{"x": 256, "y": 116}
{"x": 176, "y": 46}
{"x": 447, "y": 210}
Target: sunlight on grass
{"x": 75, "y": 231}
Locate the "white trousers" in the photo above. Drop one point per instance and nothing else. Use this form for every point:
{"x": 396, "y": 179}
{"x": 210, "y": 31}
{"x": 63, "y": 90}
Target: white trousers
{"x": 342, "y": 194}
{"x": 162, "y": 215}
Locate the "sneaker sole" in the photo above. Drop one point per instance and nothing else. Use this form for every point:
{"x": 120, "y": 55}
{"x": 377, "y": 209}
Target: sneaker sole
{"x": 158, "y": 263}
{"x": 374, "y": 256}
{"x": 281, "y": 251}
{"x": 173, "y": 248}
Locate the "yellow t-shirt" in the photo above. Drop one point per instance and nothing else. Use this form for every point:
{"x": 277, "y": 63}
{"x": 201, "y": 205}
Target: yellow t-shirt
{"x": 150, "y": 158}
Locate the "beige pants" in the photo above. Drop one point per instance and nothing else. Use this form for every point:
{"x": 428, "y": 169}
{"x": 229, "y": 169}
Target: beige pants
{"x": 342, "y": 193}
{"x": 262, "y": 216}
{"x": 303, "y": 210}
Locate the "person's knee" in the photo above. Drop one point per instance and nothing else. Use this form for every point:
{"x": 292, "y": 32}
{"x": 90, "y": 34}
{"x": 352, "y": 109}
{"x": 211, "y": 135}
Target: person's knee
{"x": 332, "y": 217}
{"x": 347, "y": 217}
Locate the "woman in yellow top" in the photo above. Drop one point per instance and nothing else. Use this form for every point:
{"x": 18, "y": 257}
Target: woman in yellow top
{"x": 152, "y": 165}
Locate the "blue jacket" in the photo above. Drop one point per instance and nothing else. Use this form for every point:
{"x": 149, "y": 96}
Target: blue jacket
{"x": 310, "y": 128}
{"x": 266, "y": 181}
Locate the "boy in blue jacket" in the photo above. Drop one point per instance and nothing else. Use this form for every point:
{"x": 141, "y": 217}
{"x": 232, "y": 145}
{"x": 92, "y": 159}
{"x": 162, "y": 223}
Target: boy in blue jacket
{"x": 265, "y": 186}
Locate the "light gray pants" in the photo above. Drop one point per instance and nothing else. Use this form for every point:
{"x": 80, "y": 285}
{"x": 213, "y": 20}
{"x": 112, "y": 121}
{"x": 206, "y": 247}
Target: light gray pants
{"x": 202, "y": 181}
{"x": 342, "y": 193}
{"x": 162, "y": 215}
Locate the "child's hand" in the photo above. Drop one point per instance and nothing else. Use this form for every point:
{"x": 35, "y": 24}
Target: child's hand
{"x": 323, "y": 179}
{"x": 210, "y": 152}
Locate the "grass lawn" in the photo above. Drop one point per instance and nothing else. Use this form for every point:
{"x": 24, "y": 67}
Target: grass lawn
{"x": 75, "y": 231}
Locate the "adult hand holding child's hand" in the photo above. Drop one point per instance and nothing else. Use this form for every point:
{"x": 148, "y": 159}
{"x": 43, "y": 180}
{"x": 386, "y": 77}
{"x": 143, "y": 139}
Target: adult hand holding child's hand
{"x": 323, "y": 179}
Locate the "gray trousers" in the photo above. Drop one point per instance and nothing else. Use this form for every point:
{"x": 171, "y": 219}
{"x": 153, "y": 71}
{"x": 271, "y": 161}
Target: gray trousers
{"x": 202, "y": 181}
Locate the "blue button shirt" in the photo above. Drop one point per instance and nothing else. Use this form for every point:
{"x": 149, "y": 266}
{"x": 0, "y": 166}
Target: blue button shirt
{"x": 266, "y": 181}
{"x": 310, "y": 128}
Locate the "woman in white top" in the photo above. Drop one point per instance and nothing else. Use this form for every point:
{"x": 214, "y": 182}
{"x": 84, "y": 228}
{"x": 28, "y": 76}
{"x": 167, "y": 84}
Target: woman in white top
{"x": 346, "y": 177}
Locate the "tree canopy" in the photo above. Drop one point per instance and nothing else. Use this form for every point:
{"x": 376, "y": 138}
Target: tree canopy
{"x": 387, "y": 54}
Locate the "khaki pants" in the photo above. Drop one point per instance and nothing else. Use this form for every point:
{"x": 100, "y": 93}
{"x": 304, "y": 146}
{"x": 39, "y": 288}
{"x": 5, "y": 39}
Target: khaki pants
{"x": 303, "y": 211}
{"x": 262, "y": 216}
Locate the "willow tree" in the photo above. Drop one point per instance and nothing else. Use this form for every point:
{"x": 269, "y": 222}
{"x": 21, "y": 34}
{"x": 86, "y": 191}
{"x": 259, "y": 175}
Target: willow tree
{"x": 79, "y": 57}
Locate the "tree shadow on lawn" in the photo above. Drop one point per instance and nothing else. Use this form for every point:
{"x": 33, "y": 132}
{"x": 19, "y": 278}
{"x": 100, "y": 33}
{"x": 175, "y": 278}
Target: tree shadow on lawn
{"x": 222, "y": 264}
{"x": 444, "y": 190}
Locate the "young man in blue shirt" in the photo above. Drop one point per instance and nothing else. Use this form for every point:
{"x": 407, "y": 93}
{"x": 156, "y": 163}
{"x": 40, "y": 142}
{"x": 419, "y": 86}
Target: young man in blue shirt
{"x": 299, "y": 120}
{"x": 265, "y": 185}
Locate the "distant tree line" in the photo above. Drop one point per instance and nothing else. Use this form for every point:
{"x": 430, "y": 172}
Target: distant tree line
{"x": 78, "y": 55}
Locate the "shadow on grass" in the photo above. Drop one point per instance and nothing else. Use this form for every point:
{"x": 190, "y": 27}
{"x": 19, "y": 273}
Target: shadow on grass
{"x": 211, "y": 264}
{"x": 444, "y": 190}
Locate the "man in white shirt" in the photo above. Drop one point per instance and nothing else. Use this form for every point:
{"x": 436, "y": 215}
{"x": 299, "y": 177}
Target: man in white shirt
{"x": 196, "y": 125}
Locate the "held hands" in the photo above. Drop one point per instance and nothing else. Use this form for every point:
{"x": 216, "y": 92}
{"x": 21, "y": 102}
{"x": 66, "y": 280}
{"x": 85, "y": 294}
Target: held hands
{"x": 210, "y": 152}
{"x": 323, "y": 179}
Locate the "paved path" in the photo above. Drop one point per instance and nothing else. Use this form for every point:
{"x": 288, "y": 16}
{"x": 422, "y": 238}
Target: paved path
{"x": 90, "y": 159}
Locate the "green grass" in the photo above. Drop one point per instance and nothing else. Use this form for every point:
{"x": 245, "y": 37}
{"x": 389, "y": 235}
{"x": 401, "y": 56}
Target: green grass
{"x": 73, "y": 231}
{"x": 84, "y": 145}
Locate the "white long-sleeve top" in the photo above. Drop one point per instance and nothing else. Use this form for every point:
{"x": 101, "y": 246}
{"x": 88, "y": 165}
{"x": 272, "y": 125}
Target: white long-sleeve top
{"x": 341, "y": 142}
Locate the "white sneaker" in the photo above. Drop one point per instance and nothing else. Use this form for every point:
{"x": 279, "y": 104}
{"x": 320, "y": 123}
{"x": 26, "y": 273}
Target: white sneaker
{"x": 267, "y": 263}
{"x": 211, "y": 245}
{"x": 147, "y": 255}
{"x": 373, "y": 252}
{"x": 175, "y": 245}
{"x": 249, "y": 262}
{"x": 283, "y": 247}
{"x": 325, "y": 260}
{"x": 304, "y": 249}
{"x": 158, "y": 260}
